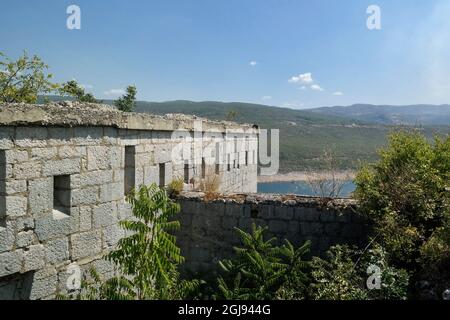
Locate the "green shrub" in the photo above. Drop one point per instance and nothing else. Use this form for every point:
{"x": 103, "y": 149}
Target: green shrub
{"x": 343, "y": 275}
{"x": 147, "y": 259}
{"x": 262, "y": 271}
{"x": 406, "y": 195}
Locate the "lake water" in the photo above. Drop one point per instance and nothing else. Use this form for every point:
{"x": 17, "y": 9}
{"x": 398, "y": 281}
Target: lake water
{"x": 299, "y": 187}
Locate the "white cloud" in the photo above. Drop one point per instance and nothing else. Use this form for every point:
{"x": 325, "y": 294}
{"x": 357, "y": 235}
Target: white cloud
{"x": 86, "y": 86}
{"x": 305, "y": 78}
{"x": 114, "y": 92}
{"x": 303, "y": 88}
{"x": 253, "y": 63}
{"x": 316, "y": 87}
{"x": 338, "y": 93}
{"x": 266, "y": 97}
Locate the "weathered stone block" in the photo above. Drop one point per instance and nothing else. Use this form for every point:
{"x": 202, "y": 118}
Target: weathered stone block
{"x": 27, "y": 170}
{"x": 11, "y": 187}
{"x": 87, "y": 135}
{"x": 277, "y": 226}
{"x": 10, "y": 262}
{"x": 27, "y": 137}
{"x": 98, "y": 157}
{"x": 86, "y": 244}
{"x": 57, "y": 250}
{"x": 112, "y": 192}
{"x": 112, "y": 234}
{"x": 14, "y": 206}
{"x": 43, "y": 153}
{"x": 6, "y": 239}
{"x": 15, "y": 156}
{"x": 34, "y": 258}
{"x": 327, "y": 216}
{"x": 85, "y": 217}
{"x": 24, "y": 223}
{"x": 59, "y": 136}
{"x": 61, "y": 167}
{"x": 105, "y": 214}
{"x": 41, "y": 195}
{"x": 85, "y": 196}
{"x": 41, "y": 286}
{"x": 71, "y": 152}
{"x": 47, "y": 227}
{"x": 25, "y": 238}
{"x": 229, "y": 222}
{"x": 284, "y": 212}
{"x": 92, "y": 178}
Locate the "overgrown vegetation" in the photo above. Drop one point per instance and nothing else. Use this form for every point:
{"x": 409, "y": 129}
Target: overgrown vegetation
{"x": 330, "y": 182}
{"x": 127, "y": 102}
{"x": 147, "y": 259}
{"x": 407, "y": 196}
{"x": 74, "y": 90}
{"x": 22, "y": 80}
{"x": 262, "y": 271}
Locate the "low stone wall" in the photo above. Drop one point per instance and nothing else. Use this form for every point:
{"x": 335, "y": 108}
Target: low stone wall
{"x": 207, "y": 232}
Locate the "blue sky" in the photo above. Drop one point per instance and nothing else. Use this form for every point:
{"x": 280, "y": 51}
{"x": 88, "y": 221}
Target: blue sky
{"x": 203, "y": 49}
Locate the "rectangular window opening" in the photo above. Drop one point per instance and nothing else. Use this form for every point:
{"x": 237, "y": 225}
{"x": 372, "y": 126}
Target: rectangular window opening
{"x": 61, "y": 195}
{"x": 162, "y": 175}
{"x": 186, "y": 173}
{"x": 130, "y": 169}
{"x": 246, "y": 158}
{"x": 229, "y": 163}
{"x": 203, "y": 168}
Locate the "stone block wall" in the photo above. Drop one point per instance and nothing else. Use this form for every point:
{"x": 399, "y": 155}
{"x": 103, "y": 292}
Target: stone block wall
{"x": 207, "y": 232}
{"x": 62, "y": 184}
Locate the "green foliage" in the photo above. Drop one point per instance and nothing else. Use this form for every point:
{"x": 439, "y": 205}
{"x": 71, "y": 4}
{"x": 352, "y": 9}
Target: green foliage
{"x": 149, "y": 256}
{"x": 406, "y": 194}
{"x": 175, "y": 187}
{"x": 73, "y": 89}
{"x": 147, "y": 259}
{"x": 342, "y": 275}
{"x": 261, "y": 270}
{"x": 127, "y": 102}
{"x": 24, "y": 79}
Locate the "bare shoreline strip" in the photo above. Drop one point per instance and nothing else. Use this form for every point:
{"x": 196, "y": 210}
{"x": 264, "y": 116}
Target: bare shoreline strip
{"x": 307, "y": 176}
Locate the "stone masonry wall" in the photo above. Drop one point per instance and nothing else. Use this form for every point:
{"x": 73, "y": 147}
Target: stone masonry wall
{"x": 207, "y": 232}
{"x": 62, "y": 185}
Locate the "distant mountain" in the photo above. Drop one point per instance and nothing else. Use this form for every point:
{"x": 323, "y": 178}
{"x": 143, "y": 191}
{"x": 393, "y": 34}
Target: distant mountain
{"x": 304, "y": 134}
{"x": 393, "y": 115}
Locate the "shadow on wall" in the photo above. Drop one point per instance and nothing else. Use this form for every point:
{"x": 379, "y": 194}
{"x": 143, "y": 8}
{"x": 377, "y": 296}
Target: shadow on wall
{"x": 16, "y": 286}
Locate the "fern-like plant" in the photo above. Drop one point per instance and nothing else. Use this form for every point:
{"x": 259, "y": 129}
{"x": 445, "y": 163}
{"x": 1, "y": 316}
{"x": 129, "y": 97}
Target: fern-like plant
{"x": 260, "y": 270}
{"x": 148, "y": 258}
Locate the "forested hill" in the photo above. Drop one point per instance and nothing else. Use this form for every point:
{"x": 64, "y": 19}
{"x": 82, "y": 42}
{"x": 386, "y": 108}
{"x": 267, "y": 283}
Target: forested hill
{"x": 304, "y": 134}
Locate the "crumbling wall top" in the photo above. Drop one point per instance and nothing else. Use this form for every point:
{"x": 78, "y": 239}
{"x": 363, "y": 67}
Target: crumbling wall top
{"x": 274, "y": 199}
{"x": 69, "y": 114}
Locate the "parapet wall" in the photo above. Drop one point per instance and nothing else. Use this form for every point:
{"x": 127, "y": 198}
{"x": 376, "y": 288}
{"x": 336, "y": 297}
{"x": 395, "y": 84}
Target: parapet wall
{"x": 207, "y": 234}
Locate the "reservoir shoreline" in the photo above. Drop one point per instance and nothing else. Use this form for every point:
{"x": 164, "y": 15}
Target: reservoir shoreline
{"x": 307, "y": 176}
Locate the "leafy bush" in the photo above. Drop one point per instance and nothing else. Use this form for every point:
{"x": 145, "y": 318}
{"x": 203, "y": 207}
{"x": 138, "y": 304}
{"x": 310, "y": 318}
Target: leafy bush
{"x": 148, "y": 258}
{"x": 261, "y": 270}
{"x": 406, "y": 193}
{"x": 342, "y": 275}
{"x": 73, "y": 89}
{"x": 127, "y": 102}
{"x": 24, "y": 79}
